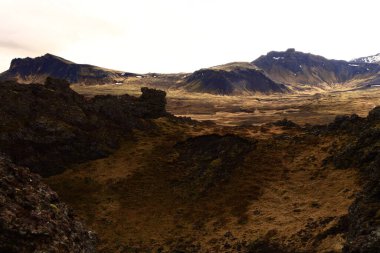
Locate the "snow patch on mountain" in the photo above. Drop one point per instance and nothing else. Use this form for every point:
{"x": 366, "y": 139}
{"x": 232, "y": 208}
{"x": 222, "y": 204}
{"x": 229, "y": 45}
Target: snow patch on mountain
{"x": 368, "y": 59}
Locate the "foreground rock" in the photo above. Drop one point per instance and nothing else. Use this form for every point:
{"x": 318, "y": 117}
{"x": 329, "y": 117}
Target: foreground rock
{"x": 363, "y": 152}
{"x": 32, "y": 218}
{"x": 46, "y": 127}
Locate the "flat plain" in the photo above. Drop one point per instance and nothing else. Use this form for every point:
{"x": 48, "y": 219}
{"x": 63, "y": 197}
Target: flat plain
{"x": 302, "y": 108}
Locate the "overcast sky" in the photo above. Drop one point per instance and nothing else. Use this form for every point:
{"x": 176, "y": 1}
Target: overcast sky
{"x": 184, "y": 35}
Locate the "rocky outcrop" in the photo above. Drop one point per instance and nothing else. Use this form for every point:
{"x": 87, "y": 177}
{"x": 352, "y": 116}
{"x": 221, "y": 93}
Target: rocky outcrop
{"x": 46, "y": 127}
{"x": 232, "y": 79}
{"x": 363, "y": 153}
{"x": 36, "y": 70}
{"x": 121, "y": 109}
{"x": 32, "y": 218}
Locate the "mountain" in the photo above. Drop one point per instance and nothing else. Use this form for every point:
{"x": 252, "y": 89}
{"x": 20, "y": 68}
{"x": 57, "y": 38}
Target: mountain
{"x": 299, "y": 69}
{"x": 233, "y": 78}
{"x": 275, "y": 72}
{"x": 36, "y": 70}
{"x": 368, "y": 59}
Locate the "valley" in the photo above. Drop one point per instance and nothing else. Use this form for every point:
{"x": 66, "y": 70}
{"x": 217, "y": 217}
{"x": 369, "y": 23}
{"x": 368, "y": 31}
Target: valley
{"x": 302, "y": 108}
{"x": 281, "y": 192}
{"x": 189, "y": 126}
{"x": 281, "y": 158}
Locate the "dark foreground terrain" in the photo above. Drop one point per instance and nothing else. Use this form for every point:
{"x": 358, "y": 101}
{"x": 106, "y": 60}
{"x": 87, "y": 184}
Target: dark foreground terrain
{"x": 146, "y": 181}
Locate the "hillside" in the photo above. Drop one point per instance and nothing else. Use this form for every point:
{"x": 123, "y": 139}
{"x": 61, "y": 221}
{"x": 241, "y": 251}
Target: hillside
{"x": 301, "y": 69}
{"x": 214, "y": 189}
{"x": 368, "y": 59}
{"x": 36, "y": 70}
{"x": 146, "y": 181}
{"x": 232, "y": 79}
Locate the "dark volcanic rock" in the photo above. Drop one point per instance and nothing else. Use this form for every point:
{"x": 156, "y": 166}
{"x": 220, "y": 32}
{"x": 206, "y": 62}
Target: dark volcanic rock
{"x": 267, "y": 246}
{"x": 47, "y": 127}
{"x": 235, "y": 78}
{"x": 210, "y": 159}
{"x": 33, "y": 70}
{"x": 32, "y": 219}
{"x": 363, "y": 233}
{"x": 120, "y": 109}
{"x": 286, "y": 123}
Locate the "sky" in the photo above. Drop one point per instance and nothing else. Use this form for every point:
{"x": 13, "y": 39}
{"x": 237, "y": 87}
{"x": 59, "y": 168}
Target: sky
{"x": 169, "y": 36}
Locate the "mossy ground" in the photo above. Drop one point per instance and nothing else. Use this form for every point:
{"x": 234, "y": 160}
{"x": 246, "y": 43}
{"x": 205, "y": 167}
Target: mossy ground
{"x": 135, "y": 199}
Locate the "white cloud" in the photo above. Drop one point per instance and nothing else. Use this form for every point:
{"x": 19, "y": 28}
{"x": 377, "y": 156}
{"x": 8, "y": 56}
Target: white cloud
{"x": 184, "y": 35}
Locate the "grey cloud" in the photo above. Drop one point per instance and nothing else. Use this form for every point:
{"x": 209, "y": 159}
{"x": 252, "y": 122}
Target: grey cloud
{"x": 13, "y": 45}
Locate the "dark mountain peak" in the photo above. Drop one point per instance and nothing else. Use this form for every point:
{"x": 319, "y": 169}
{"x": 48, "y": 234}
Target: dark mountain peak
{"x": 368, "y": 59}
{"x": 289, "y": 55}
{"x": 49, "y": 56}
{"x": 294, "y": 67}
{"x": 290, "y": 50}
{"x": 36, "y": 70}
{"x": 40, "y": 60}
{"x": 232, "y": 78}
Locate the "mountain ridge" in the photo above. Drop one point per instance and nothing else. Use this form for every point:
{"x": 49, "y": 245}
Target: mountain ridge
{"x": 304, "y": 69}
{"x": 36, "y": 70}
{"x": 368, "y": 59}
{"x": 276, "y": 72}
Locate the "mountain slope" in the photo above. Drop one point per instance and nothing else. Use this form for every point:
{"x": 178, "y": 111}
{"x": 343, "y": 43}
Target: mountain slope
{"x": 368, "y": 59}
{"x": 36, "y": 70}
{"x": 232, "y": 78}
{"x": 297, "y": 68}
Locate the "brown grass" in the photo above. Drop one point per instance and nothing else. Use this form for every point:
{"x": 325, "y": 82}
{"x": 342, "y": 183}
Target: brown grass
{"x": 280, "y": 189}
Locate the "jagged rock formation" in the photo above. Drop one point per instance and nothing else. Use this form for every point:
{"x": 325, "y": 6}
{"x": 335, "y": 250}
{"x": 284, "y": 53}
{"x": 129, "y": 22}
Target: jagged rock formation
{"x": 232, "y": 79}
{"x": 36, "y": 70}
{"x": 297, "y": 68}
{"x": 47, "y": 127}
{"x": 32, "y": 218}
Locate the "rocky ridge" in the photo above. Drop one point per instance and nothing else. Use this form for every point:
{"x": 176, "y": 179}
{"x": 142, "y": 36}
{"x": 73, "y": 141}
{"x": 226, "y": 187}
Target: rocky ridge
{"x": 46, "y": 127}
{"x": 36, "y": 70}
{"x": 301, "y": 69}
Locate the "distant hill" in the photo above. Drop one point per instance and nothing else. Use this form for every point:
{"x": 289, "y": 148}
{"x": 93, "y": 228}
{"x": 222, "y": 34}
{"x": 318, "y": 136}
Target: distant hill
{"x": 368, "y": 59}
{"x": 298, "y": 68}
{"x": 275, "y": 72}
{"x": 233, "y": 78}
{"x": 36, "y": 70}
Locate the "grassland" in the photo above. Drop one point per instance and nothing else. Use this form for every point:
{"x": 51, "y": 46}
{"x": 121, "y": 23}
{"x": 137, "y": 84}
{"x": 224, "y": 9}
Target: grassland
{"x": 281, "y": 190}
{"x": 317, "y": 108}
{"x": 139, "y": 199}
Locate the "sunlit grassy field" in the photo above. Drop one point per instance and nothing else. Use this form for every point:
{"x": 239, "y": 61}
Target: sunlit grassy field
{"x": 317, "y": 108}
